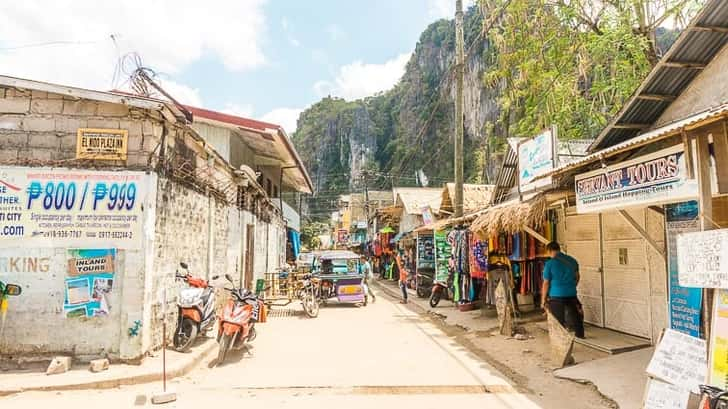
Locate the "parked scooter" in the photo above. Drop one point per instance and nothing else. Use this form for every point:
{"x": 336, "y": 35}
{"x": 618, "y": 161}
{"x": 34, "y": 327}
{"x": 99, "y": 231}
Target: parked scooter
{"x": 309, "y": 295}
{"x": 6, "y": 290}
{"x": 424, "y": 281}
{"x": 196, "y": 306}
{"x": 237, "y": 322}
{"x": 440, "y": 290}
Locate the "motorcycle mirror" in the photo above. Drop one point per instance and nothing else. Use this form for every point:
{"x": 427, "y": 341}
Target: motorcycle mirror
{"x": 183, "y": 265}
{"x": 215, "y": 277}
{"x": 12, "y": 289}
{"x": 229, "y": 277}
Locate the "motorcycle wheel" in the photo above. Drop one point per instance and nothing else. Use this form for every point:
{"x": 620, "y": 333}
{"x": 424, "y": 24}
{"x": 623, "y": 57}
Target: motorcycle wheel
{"x": 421, "y": 292}
{"x": 435, "y": 299}
{"x": 252, "y": 334}
{"x": 225, "y": 344}
{"x": 185, "y": 335}
{"x": 310, "y": 306}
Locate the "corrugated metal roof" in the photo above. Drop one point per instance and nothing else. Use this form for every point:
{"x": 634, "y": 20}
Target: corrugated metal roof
{"x": 651, "y": 136}
{"x": 698, "y": 44}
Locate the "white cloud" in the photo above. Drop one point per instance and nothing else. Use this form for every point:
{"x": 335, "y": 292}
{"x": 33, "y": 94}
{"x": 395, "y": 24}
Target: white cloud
{"x": 359, "y": 80}
{"x": 446, "y": 8}
{"x": 182, "y": 93}
{"x": 167, "y": 35}
{"x": 285, "y": 117}
{"x": 244, "y": 110}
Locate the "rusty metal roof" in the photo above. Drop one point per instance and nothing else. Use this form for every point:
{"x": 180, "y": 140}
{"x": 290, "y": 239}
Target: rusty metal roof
{"x": 694, "y": 49}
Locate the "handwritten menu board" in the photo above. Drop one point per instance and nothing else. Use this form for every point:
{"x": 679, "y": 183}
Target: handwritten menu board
{"x": 702, "y": 259}
{"x": 661, "y": 395}
{"x": 681, "y": 360}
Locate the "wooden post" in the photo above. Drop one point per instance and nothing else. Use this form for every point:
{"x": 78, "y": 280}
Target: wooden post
{"x": 720, "y": 148}
{"x": 705, "y": 206}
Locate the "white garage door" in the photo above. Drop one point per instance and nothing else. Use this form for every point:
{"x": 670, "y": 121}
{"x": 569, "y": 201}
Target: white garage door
{"x": 626, "y": 279}
{"x": 582, "y": 241}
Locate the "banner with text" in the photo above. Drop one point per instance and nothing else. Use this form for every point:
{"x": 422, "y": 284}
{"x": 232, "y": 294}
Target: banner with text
{"x": 657, "y": 178}
{"x": 702, "y": 259}
{"x": 536, "y": 157}
{"x": 44, "y": 207}
{"x": 685, "y": 302}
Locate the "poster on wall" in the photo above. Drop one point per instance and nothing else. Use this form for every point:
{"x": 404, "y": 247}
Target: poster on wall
{"x": 685, "y": 302}
{"x": 425, "y": 251}
{"x": 443, "y": 251}
{"x": 102, "y": 144}
{"x": 652, "y": 179}
{"x": 89, "y": 281}
{"x": 427, "y": 217}
{"x": 702, "y": 259}
{"x": 536, "y": 158}
{"x": 718, "y": 359}
{"x": 42, "y": 207}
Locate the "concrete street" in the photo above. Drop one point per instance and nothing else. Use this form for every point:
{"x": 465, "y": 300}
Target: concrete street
{"x": 382, "y": 355}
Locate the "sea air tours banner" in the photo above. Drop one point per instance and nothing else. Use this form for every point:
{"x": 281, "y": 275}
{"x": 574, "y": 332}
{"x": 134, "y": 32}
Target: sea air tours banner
{"x": 652, "y": 179}
{"x": 45, "y": 207}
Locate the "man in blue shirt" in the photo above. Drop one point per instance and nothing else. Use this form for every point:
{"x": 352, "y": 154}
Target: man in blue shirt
{"x": 560, "y": 278}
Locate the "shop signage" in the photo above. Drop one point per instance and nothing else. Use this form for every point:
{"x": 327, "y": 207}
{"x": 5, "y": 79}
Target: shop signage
{"x": 427, "y": 217}
{"x": 102, "y": 144}
{"x": 536, "y": 157}
{"x": 661, "y": 395}
{"x": 702, "y": 259}
{"x": 656, "y": 178}
{"x": 685, "y": 302}
{"x": 718, "y": 360}
{"x": 44, "y": 207}
{"x": 680, "y": 359}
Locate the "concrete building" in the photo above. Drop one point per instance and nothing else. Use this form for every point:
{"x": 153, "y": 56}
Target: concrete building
{"x": 101, "y": 196}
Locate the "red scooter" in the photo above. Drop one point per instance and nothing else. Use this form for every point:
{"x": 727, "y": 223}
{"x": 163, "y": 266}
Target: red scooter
{"x": 236, "y": 324}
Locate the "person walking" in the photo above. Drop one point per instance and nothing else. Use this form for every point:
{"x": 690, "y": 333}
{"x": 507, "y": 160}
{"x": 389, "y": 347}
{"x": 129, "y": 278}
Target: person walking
{"x": 403, "y": 275}
{"x": 365, "y": 268}
{"x": 558, "y": 295}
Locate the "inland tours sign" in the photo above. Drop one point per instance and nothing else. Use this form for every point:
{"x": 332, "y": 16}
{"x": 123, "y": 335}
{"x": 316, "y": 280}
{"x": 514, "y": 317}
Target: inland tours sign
{"x": 653, "y": 179}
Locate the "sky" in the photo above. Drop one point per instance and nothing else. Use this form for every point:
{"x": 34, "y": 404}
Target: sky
{"x": 263, "y": 59}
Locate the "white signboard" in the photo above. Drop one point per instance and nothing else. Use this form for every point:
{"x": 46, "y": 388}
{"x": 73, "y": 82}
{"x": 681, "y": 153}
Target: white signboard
{"x": 681, "y": 360}
{"x": 702, "y": 259}
{"x": 536, "y": 158}
{"x": 653, "y": 179}
{"x": 51, "y": 207}
{"x": 661, "y": 395}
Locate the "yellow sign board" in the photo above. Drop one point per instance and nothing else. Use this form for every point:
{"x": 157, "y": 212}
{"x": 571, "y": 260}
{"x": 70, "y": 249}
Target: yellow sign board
{"x": 102, "y": 144}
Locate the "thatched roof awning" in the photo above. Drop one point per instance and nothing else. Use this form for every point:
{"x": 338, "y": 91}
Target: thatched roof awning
{"x": 511, "y": 216}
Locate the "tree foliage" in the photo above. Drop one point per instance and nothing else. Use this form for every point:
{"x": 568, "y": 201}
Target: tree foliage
{"x": 573, "y": 63}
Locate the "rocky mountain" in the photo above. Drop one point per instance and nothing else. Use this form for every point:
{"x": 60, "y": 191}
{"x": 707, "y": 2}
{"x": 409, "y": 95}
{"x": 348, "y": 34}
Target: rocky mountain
{"x": 397, "y": 133}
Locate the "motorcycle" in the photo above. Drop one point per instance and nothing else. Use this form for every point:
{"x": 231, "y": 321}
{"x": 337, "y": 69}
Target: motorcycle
{"x": 440, "y": 289}
{"x": 424, "y": 281}
{"x": 236, "y": 324}
{"x": 5, "y": 291}
{"x": 309, "y": 295}
{"x": 196, "y": 306}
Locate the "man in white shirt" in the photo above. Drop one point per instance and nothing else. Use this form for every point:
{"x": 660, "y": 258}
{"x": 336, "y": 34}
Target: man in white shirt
{"x": 365, "y": 268}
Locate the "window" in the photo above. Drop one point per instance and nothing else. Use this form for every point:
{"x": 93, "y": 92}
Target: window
{"x": 268, "y": 185}
{"x": 623, "y": 259}
{"x": 275, "y": 191}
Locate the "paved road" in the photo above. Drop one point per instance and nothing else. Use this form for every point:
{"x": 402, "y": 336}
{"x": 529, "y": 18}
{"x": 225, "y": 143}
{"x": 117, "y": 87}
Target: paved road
{"x": 382, "y": 355}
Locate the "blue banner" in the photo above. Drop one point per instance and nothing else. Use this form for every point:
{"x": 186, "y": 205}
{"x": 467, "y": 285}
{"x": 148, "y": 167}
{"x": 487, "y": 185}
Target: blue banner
{"x": 684, "y": 302}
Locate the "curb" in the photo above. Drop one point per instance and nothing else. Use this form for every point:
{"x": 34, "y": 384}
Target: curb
{"x": 174, "y": 371}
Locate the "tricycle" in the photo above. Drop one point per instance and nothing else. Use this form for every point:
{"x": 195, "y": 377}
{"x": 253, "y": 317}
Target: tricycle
{"x": 339, "y": 277}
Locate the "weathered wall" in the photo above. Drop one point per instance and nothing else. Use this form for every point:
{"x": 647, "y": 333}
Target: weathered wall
{"x": 183, "y": 221}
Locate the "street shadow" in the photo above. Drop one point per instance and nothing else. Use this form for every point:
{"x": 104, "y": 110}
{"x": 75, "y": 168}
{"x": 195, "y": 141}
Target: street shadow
{"x": 233, "y": 356}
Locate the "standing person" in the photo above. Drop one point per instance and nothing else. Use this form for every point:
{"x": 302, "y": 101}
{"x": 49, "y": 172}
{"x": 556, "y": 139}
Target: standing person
{"x": 558, "y": 295}
{"x": 402, "y": 278}
{"x": 366, "y": 269}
